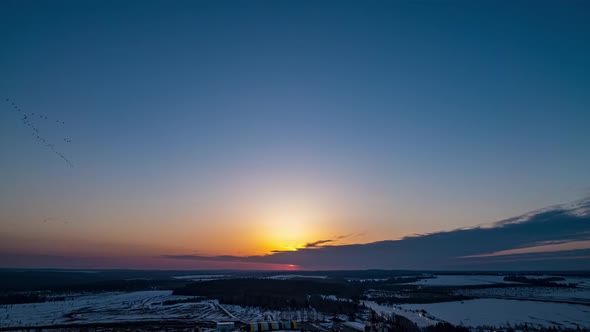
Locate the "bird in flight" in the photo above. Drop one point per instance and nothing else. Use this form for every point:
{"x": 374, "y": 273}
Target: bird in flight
{"x": 36, "y": 133}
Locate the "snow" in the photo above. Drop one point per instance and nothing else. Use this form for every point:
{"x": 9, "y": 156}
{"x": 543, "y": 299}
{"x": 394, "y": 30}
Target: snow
{"x": 461, "y": 280}
{"x": 110, "y": 307}
{"x": 372, "y": 294}
{"x": 137, "y": 306}
{"x": 498, "y": 312}
{"x": 335, "y": 298}
{"x": 355, "y": 325}
{"x": 253, "y": 314}
{"x": 368, "y": 280}
{"x": 414, "y": 315}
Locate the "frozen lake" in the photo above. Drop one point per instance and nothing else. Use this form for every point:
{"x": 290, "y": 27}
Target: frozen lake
{"x": 498, "y": 312}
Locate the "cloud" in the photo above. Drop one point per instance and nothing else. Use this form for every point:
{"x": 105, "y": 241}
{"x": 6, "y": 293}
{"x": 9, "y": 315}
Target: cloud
{"x": 555, "y": 246}
{"x": 316, "y": 243}
{"x": 343, "y": 236}
{"x": 513, "y": 239}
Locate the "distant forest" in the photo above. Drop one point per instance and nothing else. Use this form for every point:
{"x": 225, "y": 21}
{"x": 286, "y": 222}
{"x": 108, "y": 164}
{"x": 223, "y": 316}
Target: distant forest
{"x": 281, "y": 294}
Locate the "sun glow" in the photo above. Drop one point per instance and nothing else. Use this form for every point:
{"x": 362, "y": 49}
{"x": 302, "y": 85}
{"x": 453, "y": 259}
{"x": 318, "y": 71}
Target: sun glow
{"x": 289, "y": 227}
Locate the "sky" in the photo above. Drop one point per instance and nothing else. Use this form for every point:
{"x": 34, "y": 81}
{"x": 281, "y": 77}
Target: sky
{"x": 241, "y": 129}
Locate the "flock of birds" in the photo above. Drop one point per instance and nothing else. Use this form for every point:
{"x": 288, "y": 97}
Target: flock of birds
{"x": 35, "y": 132}
{"x": 51, "y": 220}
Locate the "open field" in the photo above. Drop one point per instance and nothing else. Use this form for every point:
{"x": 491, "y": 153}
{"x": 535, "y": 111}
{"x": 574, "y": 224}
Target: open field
{"x": 496, "y": 312}
{"x": 108, "y": 308}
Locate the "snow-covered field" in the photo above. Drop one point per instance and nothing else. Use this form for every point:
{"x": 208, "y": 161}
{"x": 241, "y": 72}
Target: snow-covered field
{"x": 412, "y": 314}
{"x": 136, "y": 307}
{"x": 461, "y": 280}
{"x": 367, "y": 280}
{"x": 110, "y": 307}
{"x": 355, "y": 325}
{"x": 497, "y": 312}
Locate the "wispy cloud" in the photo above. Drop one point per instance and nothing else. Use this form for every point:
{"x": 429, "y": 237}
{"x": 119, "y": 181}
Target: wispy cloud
{"x": 316, "y": 243}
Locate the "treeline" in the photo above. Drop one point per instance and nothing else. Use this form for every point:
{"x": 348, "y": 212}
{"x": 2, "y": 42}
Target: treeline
{"x": 20, "y": 298}
{"x": 416, "y": 294}
{"x": 10, "y": 297}
{"x": 189, "y": 300}
{"x": 58, "y": 280}
{"x": 341, "y": 307}
{"x": 279, "y": 294}
{"x": 406, "y": 280}
{"x": 121, "y": 286}
{"x": 445, "y": 327}
{"x": 548, "y": 281}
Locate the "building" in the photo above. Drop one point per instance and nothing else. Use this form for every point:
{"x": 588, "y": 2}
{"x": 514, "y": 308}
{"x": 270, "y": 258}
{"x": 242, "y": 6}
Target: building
{"x": 272, "y": 326}
{"x": 225, "y": 326}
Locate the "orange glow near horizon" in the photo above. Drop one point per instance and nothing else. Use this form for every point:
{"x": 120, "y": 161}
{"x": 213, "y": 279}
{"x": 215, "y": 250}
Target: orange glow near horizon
{"x": 256, "y": 221}
{"x": 286, "y": 225}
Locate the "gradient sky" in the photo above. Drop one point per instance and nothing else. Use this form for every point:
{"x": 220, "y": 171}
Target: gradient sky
{"x": 238, "y": 128}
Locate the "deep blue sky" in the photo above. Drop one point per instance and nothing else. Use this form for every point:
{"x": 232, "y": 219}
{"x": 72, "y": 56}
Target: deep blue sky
{"x": 374, "y": 118}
